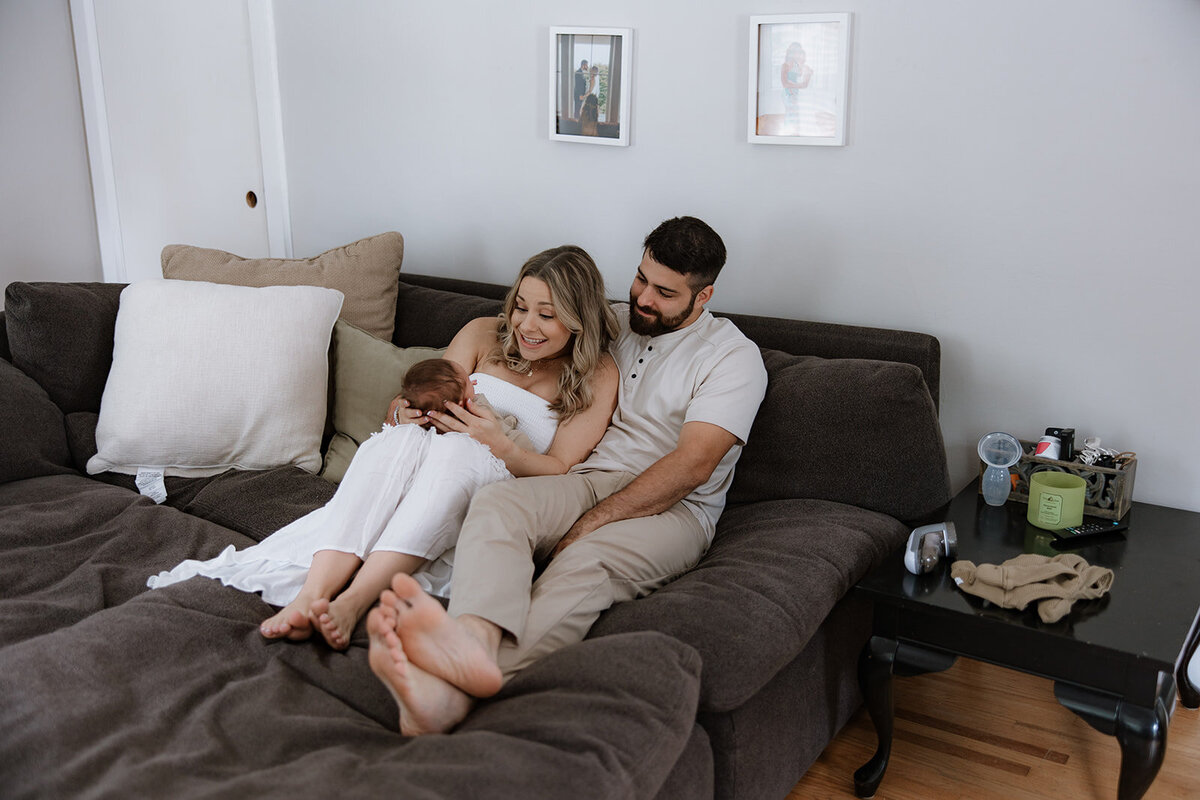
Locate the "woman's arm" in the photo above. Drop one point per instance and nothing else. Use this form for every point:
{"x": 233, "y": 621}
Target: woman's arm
{"x": 573, "y": 441}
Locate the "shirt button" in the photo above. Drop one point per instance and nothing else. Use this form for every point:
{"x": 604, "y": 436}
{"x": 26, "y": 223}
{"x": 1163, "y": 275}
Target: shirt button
{"x": 633, "y": 375}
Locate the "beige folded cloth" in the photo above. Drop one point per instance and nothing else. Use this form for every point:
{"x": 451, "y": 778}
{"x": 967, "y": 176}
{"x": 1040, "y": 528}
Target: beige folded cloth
{"x": 509, "y": 423}
{"x": 1053, "y": 583}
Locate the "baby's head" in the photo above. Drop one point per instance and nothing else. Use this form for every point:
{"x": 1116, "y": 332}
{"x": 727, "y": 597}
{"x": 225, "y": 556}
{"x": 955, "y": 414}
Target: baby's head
{"x": 430, "y": 384}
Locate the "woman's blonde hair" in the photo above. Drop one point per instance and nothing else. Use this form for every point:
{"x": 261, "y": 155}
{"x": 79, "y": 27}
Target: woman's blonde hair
{"x": 577, "y": 291}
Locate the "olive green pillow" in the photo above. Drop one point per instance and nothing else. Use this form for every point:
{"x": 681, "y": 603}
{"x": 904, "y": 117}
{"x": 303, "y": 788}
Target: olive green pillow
{"x": 366, "y": 376}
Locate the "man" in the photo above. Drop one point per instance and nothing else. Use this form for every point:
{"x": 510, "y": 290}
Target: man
{"x": 581, "y": 86}
{"x": 640, "y": 511}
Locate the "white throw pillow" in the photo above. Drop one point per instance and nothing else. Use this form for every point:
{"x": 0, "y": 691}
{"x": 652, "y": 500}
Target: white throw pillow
{"x": 207, "y": 377}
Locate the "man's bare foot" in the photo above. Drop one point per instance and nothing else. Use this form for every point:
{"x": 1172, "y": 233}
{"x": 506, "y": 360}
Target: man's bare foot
{"x": 438, "y": 643}
{"x": 427, "y": 704}
{"x": 335, "y": 620}
{"x": 291, "y": 622}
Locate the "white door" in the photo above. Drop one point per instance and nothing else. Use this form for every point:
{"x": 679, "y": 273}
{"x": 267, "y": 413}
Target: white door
{"x": 173, "y": 124}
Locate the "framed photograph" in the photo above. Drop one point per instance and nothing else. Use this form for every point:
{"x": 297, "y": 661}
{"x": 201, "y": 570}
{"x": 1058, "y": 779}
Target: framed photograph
{"x": 799, "y": 79}
{"x": 590, "y": 85}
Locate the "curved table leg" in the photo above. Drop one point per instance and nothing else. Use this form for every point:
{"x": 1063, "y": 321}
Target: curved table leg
{"x": 1189, "y": 695}
{"x": 1142, "y": 734}
{"x": 881, "y": 659}
{"x": 875, "y": 681}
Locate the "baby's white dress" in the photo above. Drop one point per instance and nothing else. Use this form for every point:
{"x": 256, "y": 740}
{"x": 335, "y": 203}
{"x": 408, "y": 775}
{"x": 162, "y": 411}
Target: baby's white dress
{"x": 407, "y": 490}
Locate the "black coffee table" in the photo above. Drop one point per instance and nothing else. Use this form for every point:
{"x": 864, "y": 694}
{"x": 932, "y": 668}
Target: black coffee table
{"x": 1117, "y": 662}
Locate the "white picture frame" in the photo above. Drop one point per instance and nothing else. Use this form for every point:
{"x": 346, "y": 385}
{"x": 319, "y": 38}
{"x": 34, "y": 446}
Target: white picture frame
{"x": 605, "y": 117}
{"x": 799, "y": 79}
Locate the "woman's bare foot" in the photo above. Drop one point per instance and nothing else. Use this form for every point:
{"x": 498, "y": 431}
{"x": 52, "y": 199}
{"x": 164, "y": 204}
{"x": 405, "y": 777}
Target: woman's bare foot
{"x": 427, "y": 704}
{"x": 328, "y": 573}
{"x": 438, "y": 643}
{"x": 335, "y": 620}
{"x": 292, "y": 622}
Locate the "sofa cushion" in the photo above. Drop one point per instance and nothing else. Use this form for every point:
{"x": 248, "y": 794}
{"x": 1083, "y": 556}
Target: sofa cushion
{"x": 208, "y": 377}
{"x": 258, "y": 503}
{"x": 431, "y": 317}
{"x": 849, "y": 430}
{"x": 366, "y": 374}
{"x": 61, "y": 335}
{"x": 31, "y": 428}
{"x": 365, "y": 271}
{"x": 633, "y": 732}
{"x": 773, "y": 573}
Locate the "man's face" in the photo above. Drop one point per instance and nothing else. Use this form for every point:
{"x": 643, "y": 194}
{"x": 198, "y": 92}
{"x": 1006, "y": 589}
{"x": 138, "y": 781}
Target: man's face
{"x": 660, "y": 299}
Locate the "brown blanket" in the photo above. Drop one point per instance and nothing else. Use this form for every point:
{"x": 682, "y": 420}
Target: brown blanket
{"x": 110, "y": 690}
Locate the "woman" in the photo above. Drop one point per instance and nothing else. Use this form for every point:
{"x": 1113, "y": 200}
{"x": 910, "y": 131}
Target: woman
{"x": 544, "y": 360}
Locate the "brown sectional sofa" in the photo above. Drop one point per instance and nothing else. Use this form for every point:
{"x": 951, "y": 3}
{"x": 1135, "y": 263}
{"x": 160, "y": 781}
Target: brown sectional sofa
{"x": 727, "y": 683}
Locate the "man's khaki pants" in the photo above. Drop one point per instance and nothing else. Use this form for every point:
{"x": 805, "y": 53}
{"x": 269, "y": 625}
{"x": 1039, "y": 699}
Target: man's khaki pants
{"x": 514, "y": 525}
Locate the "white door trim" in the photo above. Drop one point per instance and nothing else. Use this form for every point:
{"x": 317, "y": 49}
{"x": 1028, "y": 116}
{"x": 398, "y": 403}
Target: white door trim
{"x": 270, "y": 126}
{"x": 261, "y": 15}
{"x": 95, "y": 125}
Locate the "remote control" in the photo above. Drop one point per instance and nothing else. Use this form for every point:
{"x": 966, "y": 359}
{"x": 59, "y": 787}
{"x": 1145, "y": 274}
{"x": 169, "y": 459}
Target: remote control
{"x": 1079, "y": 534}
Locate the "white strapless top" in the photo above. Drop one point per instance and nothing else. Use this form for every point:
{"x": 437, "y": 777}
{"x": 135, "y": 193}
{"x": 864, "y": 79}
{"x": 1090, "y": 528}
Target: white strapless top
{"x": 534, "y": 417}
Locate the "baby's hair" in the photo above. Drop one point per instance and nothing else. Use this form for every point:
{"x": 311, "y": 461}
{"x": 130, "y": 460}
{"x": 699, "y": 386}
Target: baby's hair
{"x": 430, "y": 384}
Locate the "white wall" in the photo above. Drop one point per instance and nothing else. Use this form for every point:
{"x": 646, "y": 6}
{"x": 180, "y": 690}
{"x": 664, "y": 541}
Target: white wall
{"x": 47, "y": 219}
{"x": 1021, "y": 180}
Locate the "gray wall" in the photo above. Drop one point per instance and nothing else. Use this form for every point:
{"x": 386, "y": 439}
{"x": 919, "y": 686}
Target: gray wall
{"x": 1021, "y": 180}
{"x": 47, "y": 219}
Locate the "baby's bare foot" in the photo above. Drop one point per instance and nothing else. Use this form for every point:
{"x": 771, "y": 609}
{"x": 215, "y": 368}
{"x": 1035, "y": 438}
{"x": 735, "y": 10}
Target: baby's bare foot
{"x": 427, "y": 704}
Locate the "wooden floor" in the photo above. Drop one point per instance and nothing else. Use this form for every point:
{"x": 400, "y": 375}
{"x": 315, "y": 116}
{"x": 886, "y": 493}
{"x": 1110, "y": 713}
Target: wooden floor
{"x": 979, "y": 732}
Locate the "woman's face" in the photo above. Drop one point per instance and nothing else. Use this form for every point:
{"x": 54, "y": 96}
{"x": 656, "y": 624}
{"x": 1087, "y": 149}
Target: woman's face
{"x": 540, "y": 334}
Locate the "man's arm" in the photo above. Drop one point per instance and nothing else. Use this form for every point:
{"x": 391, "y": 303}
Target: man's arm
{"x": 673, "y": 477}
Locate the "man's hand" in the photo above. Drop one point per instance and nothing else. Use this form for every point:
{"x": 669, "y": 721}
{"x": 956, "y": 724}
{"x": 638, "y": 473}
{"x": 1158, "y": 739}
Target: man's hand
{"x": 577, "y": 531}
{"x": 673, "y": 477}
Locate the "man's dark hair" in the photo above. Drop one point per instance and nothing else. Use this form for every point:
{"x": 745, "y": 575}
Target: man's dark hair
{"x": 690, "y": 247}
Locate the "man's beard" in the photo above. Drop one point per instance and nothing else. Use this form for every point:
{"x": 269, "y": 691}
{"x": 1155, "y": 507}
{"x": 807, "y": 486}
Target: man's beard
{"x": 656, "y": 324}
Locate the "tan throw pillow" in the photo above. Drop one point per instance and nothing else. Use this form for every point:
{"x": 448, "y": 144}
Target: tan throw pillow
{"x": 366, "y": 272}
{"x": 207, "y": 377}
{"x": 366, "y": 376}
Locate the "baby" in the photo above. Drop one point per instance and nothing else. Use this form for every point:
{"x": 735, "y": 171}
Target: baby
{"x": 430, "y": 384}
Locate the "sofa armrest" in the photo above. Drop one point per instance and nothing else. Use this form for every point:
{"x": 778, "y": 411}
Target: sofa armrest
{"x": 5, "y": 353}
{"x": 772, "y": 575}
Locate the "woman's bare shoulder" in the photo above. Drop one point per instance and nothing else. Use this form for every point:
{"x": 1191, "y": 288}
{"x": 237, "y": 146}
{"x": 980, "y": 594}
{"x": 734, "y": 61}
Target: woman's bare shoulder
{"x": 473, "y": 342}
{"x": 482, "y": 328}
